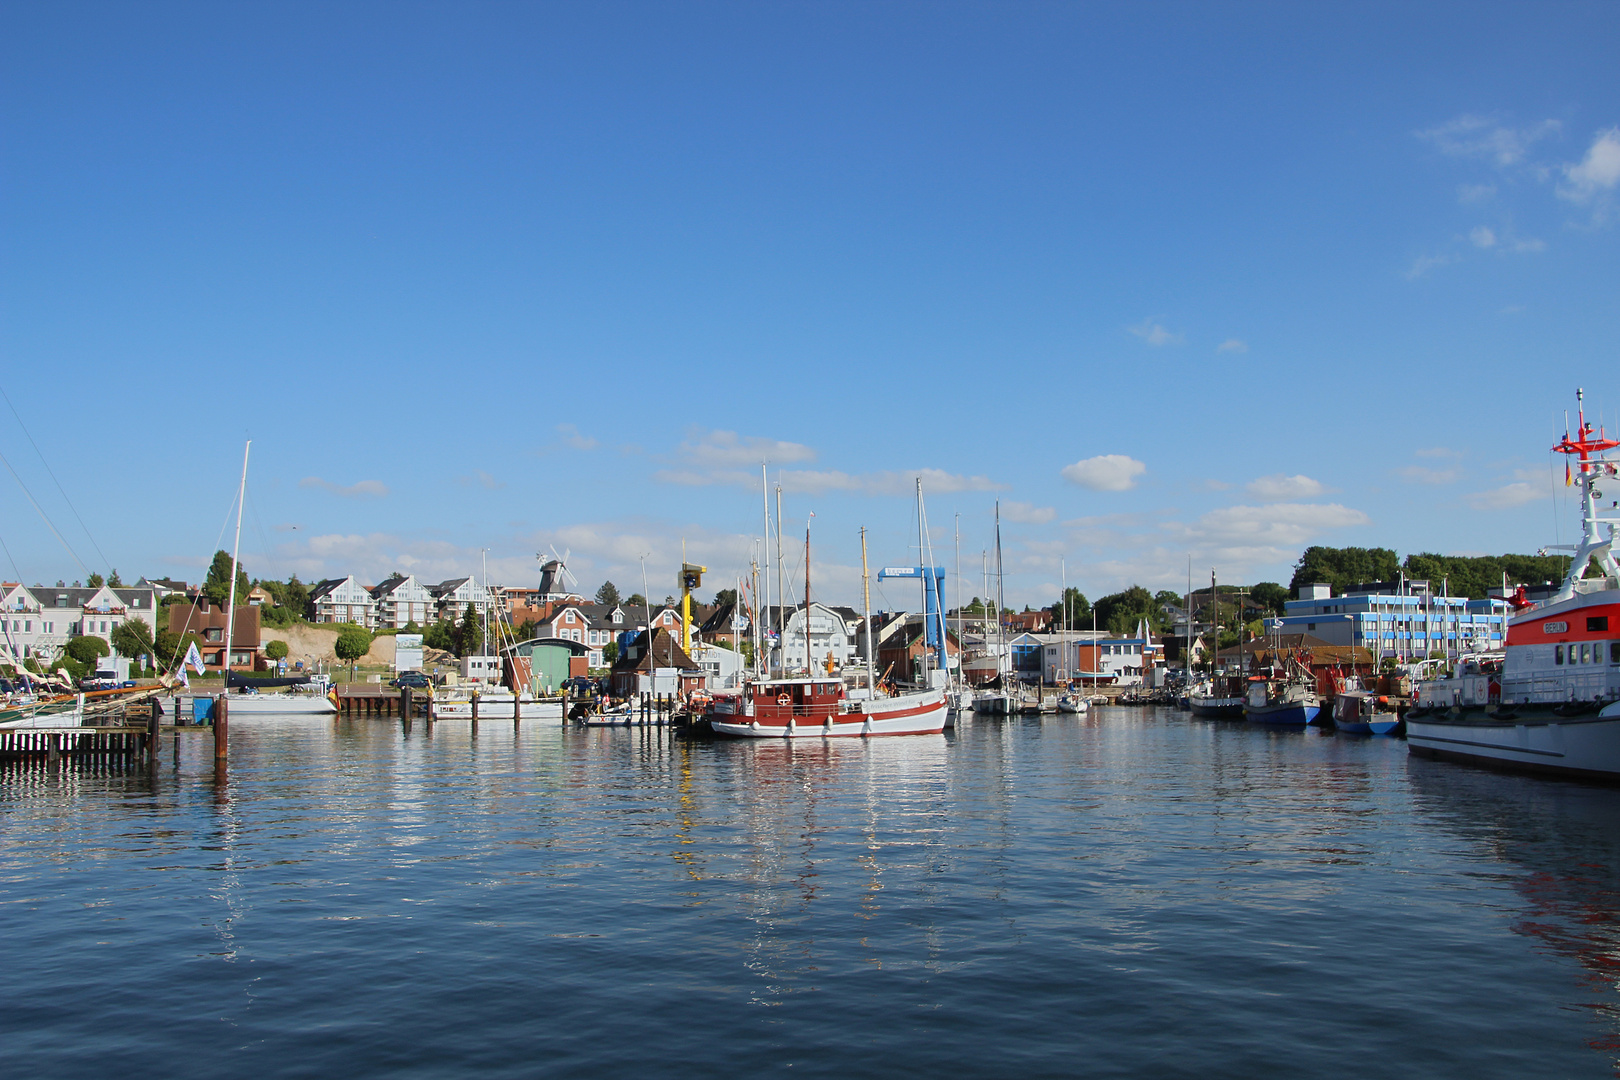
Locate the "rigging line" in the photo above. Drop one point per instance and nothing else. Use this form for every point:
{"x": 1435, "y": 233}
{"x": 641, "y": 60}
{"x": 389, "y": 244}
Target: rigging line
{"x": 104, "y": 560}
{"x": 44, "y": 516}
{"x": 11, "y": 560}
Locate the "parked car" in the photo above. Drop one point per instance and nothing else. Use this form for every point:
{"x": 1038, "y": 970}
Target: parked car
{"x": 416, "y": 680}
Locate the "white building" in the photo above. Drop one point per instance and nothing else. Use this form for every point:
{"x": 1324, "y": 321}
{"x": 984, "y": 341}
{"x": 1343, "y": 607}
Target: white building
{"x": 830, "y": 635}
{"x": 39, "y": 621}
{"x": 723, "y": 666}
{"x": 338, "y": 600}
{"x": 452, "y": 597}
{"x": 402, "y": 600}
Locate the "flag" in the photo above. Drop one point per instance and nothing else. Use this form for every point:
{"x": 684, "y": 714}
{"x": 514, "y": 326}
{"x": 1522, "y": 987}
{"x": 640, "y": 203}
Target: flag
{"x": 194, "y": 658}
{"x": 1567, "y": 480}
{"x": 185, "y": 680}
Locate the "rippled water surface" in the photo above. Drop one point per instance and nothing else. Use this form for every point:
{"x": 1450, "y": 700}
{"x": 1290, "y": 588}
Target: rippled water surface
{"x": 1135, "y": 893}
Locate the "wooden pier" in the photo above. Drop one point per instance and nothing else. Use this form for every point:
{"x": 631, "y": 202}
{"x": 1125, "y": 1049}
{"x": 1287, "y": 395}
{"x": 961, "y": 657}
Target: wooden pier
{"x": 77, "y": 743}
{"x": 364, "y": 700}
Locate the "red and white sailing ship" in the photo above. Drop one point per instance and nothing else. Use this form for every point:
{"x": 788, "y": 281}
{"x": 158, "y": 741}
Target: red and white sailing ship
{"x": 1550, "y": 702}
{"x": 824, "y": 708}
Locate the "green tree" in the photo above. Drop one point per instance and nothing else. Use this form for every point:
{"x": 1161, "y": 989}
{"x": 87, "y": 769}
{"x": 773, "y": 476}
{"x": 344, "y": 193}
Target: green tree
{"x": 217, "y": 586}
{"x": 87, "y": 649}
{"x": 133, "y": 638}
{"x": 610, "y": 653}
{"x": 94, "y": 581}
{"x": 636, "y": 600}
{"x": 608, "y": 593}
{"x": 114, "y": 581}
{"x": 1271, "y": 594}
{"x": 1120, "y": 612}
{"x": 411, "y": 628}
{"x": 1078, "y": 606}
{"x": 469, "y": 633}
{"x": 352, "y": 643}
{"x": 275, "y": 650}
{"x": 1343, "y": 567}
{"x": 441, "y": 635}
{"x": 724, "y": 597}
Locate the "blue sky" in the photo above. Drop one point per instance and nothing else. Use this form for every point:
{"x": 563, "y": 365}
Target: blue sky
{"x": 1206, "y": 281}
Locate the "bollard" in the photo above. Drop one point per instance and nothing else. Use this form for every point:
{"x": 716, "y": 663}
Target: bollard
{"x": 405, "y": 703}
{"x": 153, "y": 731}
{"x": 222, "y": 727}
{"x": 517, "y": 708}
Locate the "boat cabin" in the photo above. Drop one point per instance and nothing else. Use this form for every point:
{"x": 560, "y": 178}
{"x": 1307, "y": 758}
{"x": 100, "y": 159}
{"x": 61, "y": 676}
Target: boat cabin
{"x": 801, "y": 700}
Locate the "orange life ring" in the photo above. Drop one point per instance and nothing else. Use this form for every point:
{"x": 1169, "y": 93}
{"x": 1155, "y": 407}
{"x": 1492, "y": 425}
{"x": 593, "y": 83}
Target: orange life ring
{"x": 784, "y": 700}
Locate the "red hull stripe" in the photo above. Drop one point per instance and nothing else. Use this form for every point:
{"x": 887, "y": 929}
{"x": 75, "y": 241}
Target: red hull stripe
{"x": 1533, "y": 630}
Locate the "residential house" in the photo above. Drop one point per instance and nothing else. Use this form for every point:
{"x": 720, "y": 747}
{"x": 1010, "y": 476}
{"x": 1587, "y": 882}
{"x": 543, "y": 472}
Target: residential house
{"x": 401, "y": 600}
{"x": 648, "y": 654}
{"x": 342, "y": 600}
{"x": 452, "y": 597}
{"x": 1099, "y": 657}
{"x": 832, "y": 637}
{"x": 207, "y": 620}
{"x": 905, "y": 656}
{"x": 593, "y": 625}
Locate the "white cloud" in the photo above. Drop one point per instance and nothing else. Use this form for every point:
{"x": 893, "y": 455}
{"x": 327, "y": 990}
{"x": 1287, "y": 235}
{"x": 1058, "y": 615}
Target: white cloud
{"x": 1482, "y": 237}
{"x": 1484, "y": 137}
{"x": 1154, "y": 334}
{"x": 821, "y": 481}
{"x": 1232, "y": 345}
{"x": 365, "y": 489}
{"x": 1027, "y": 513}
{"x": 572, "y": 438}
{"x": 1106, "y": 472}
{"x": 1281, "y": 487}
{"x": 482, "y": 479}
{"x": 1506, "y": 496}
{"x": 1527, "y": 245}
{"x": 1598, "y": 173}
{"x": 1474, "y": 194}
{"x": 1424, "y": 263}
{"x": 1277, "y": 526}
{"x": 726, "y": 449}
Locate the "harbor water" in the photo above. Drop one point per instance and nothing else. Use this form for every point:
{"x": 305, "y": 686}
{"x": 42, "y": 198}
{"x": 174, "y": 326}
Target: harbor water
{"x": 1130, "y": 893}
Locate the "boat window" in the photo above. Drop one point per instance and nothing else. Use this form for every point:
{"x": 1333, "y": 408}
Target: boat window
{"x": 1558, "y": 654}
{"x": 1586, "y": 653}
{"x": 1597, "y": 623}
{"x": 1614, "y": 652}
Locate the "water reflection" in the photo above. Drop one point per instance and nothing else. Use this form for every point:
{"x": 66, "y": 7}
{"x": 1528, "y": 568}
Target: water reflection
{"x": 1559, "y": 839}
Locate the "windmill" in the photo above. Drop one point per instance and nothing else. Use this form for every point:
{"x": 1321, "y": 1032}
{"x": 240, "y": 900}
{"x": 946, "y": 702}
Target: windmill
{"x": 555, "y": 577}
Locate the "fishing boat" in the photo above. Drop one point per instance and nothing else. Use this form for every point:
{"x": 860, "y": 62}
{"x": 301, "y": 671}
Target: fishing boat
{"x": 1358, "y": 711}
{"x": 1220, "y": 698}
{"x": 1285, "y": 698}
{"x": 1550, "y": 701}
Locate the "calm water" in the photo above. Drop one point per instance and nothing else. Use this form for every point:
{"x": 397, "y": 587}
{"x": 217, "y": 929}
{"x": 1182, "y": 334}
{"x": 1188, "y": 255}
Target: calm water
{"x": 1136, "y": 893}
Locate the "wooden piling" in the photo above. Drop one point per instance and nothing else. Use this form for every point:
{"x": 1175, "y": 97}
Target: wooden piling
{"x": 405, "y": 703}
{"x": 222, "y": 727}
{"x": 154, "y": 729}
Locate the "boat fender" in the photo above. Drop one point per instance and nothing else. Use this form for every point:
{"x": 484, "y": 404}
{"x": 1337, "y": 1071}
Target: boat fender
{"x": 866, "y": 728}
{"x": 790, "y": 726}
{"x": 754, "y": 725}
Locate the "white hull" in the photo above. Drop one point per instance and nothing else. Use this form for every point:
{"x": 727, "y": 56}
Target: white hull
{"x": 497, "y": 708}
{"x": 280, "y": 705}
{"x": 1577, "y": 746}
{"x": 922, "y": 713}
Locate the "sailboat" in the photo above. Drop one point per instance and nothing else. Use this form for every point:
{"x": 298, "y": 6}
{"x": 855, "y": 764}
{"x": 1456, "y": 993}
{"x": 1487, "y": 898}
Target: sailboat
{"x": 821, "y": 707}
{"x": 997, "y": 700}
{"x": 299, "y": 695}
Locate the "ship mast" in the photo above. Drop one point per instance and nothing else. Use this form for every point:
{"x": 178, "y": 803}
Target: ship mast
{"x": 1587, "y": 448}
{"x": 236, "y": 548}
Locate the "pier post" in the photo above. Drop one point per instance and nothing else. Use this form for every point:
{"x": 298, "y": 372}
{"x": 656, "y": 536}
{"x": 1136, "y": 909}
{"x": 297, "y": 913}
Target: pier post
{"x": 154, "y": 729}
{"x": 517, "y": 708}
{"x": 405, "y": 703}
{"x": 475, "y": 712}
{"x": 222, "y": 727}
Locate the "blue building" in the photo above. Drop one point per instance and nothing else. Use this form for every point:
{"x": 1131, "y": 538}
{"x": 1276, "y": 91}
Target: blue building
{"x": 1401, "y": 620}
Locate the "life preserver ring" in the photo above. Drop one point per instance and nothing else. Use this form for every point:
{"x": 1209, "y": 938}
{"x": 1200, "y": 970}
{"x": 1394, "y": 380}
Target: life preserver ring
{"x": 784, "y": 700}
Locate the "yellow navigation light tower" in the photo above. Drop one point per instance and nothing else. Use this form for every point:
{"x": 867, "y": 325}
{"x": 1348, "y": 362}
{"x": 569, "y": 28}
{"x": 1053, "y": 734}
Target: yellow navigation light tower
{"x": 691, "y": 578}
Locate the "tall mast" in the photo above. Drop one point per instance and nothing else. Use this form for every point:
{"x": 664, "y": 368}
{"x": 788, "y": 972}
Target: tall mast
{"x": 765, "y": 608}
{"x": 1187, "y": 641}
{"x": 807, "y": 665}
{"x": 1215, "y": 621}
{"x": 236, "y": 548}
{"x": 866, "y": 614}
{"x": 1063, "y": 569}
{"x": 781, "y": 588}
{"x": 1000, "y": 644}
{"x": 959, "y": 653}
